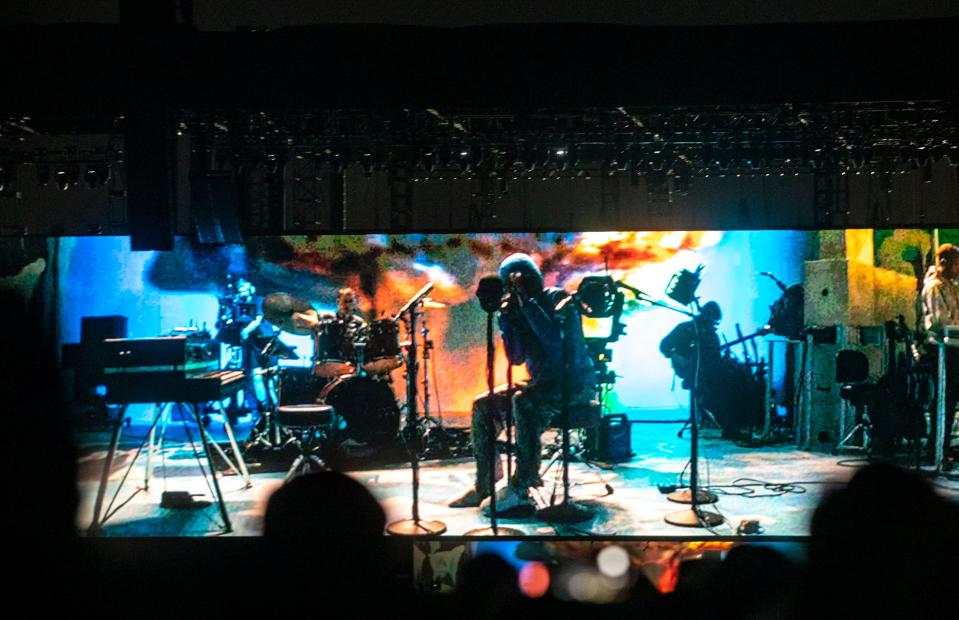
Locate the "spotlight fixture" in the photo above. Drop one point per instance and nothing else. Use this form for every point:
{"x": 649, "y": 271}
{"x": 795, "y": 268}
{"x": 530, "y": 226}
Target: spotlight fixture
{"x": 63, "y": 178}
{"x": 91, "y": 177}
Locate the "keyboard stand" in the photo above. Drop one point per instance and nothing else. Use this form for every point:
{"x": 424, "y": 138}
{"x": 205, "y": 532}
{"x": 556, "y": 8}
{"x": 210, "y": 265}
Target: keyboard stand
{"x": 162, "y": 414}
{"x": 237, "y": 465}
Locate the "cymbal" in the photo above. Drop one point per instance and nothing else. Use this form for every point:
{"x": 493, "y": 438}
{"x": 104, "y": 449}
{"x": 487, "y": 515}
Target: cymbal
{"x": 431, "y": 304}
{"x": 279, "y": 309}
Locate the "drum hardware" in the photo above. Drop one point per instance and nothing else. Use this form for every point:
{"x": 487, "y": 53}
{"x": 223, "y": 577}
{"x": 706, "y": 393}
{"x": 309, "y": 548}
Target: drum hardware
{"x": 436, "y": 439}
{"x": 350, "y": 373}
{"x": 414, "y": 526}
{"x": 381, "y": 351}
{"x": 431, "y": 304}
{"x": 332, "y": 349}
{"x": 291, "y": 314}
{"x": 311, "y": 426}
{"x": 266, "y": 432}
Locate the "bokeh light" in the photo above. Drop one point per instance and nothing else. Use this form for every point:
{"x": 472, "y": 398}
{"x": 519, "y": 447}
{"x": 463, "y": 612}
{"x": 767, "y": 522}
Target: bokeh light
{"x": 534, "y": 579}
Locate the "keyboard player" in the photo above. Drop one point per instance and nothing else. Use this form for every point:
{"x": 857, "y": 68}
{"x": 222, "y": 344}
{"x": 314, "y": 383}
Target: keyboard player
{"x": 940, "y": 309}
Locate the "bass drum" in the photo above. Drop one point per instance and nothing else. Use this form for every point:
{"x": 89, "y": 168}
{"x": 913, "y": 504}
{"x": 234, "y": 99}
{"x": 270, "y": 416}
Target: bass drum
{"x": 367, "y": 406}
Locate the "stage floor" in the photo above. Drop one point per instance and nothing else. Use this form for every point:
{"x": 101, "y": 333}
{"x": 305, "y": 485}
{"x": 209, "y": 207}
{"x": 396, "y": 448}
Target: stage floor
{"x": 783, "y": 487}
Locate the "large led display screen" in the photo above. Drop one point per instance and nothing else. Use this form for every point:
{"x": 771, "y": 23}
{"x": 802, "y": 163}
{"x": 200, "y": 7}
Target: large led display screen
{"x": 766, "y": 292}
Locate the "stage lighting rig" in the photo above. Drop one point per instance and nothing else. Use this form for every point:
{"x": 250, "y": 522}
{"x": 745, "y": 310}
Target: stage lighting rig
{"x": 90, "y": 177}
{"x": 67, "y": 176}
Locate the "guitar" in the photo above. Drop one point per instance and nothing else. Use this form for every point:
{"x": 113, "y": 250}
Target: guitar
{"x": 683, "y": 364}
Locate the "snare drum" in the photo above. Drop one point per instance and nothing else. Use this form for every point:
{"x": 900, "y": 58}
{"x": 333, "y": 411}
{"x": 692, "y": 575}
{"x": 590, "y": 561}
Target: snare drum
{"x": 332, "y": 350}
{"x": 382, "y": 351}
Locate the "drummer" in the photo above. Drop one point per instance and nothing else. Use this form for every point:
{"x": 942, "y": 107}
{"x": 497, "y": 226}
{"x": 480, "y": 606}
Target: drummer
{"x": 347, "y": 302}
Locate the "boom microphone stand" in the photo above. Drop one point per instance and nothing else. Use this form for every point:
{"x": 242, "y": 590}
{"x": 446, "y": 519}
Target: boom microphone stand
{"x": 694, "y": 516}
{"x": 414, "y": 526}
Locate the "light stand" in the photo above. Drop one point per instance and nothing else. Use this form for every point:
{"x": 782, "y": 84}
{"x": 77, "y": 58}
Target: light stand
{"x": 414, "y": 526}
{"x": 490, "y": 292}
{"x": 567, "y": 511}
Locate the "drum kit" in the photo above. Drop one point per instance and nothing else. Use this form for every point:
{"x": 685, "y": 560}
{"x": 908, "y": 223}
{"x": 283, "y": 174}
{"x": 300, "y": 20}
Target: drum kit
{"x": 350, "y": 370}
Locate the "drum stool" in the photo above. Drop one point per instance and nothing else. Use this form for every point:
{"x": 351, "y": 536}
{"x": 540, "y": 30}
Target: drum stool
{"x": 308, "y": 424}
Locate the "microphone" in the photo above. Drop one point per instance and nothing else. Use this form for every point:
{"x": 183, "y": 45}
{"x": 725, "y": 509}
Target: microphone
{"x": 490, "y": 293}
{"x": 778, "y": 282}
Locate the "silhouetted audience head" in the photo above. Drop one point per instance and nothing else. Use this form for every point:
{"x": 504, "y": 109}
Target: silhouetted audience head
{"x": 323, "y": 505}
{"x": 324, "y": 537}
{"x": 884, "y": 544}
{"x": 488, "y": 587}
{"x": 752, "y": 580}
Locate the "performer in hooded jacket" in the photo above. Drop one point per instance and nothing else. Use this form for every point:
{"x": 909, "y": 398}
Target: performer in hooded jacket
{"x": 535, "y": 323}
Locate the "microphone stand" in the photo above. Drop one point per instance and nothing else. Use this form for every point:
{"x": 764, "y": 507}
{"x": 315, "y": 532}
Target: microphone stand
{"x": 694, "y": 516}
{"x": 509, "y": 418}
{"x": 414, "y": 526}
{"x": 492, "y": 410}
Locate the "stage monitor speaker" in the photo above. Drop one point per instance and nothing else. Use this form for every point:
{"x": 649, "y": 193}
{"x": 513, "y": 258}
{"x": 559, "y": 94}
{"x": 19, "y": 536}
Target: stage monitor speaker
{"x": 612, "y": 439}
{"x": 839, "y": 292}
{"x": 215, "y": 207}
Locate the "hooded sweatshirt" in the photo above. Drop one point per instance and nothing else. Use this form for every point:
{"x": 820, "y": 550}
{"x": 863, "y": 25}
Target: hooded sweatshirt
{"x": 535, "y": 333}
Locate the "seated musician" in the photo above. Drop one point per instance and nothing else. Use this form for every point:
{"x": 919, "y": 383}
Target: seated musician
{"x": 680, "y": 344}
{"x": 533, "y": 329}
{"x": 940, "y": 308}
{"x": 347, "y": 302}
{"x": 724, "y": 388}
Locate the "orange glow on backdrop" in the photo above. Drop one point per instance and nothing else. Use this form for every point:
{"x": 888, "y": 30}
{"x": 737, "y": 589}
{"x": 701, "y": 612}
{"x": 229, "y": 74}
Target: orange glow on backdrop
{"x": 388, "y": 270}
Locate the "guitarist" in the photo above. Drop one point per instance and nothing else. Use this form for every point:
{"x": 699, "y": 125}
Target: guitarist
{"x": 680, "y": 344}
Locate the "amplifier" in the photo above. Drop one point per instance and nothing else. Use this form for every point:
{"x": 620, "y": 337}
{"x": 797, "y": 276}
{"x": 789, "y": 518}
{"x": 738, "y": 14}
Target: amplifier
{"x": 611, "y": 440}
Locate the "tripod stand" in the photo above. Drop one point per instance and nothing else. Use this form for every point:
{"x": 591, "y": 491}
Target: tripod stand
{"x": 435, "y": 436}
{"x": 414, "y": 526}
{"x": 566, "y": 511}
